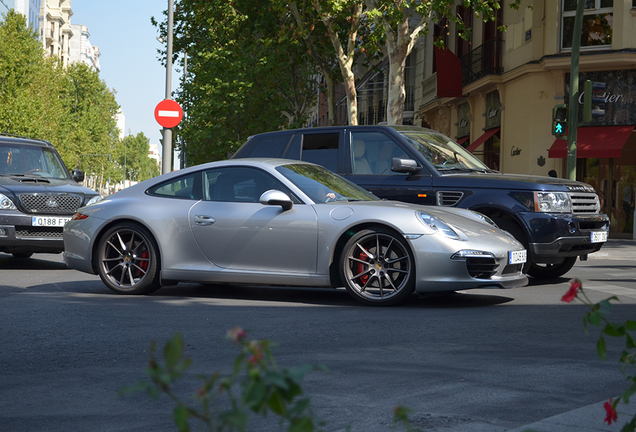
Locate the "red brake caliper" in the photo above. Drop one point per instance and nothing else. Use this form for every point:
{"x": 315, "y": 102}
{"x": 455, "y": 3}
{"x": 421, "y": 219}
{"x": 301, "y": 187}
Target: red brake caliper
{"x": 361, "y": 268}
{"x": 144, "y": 264}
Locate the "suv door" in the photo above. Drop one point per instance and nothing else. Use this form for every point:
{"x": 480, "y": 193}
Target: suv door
{"x": 369, "y": 154}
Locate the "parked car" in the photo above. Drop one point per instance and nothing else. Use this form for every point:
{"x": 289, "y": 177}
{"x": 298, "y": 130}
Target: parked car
{"x": 281, "y": 222}
{"x": 557, "y": 220}
{"x": 38, "y": 196}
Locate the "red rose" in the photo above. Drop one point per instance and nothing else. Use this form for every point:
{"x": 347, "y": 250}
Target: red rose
{"x": 574, "y": 289}
{"x": 611, "y": 412}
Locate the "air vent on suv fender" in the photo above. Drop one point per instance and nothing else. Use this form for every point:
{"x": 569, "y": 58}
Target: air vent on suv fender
{"x": 449, "y": 198}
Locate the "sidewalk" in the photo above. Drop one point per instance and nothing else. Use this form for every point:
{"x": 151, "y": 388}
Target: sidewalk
{"x": 616, "y": 249}
{"x": 590, "y": 418}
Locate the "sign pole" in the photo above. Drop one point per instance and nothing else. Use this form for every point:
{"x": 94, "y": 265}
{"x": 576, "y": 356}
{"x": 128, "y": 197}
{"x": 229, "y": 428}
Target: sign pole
{"x": 574, "y": 90}
{"x": 166, "y": 159}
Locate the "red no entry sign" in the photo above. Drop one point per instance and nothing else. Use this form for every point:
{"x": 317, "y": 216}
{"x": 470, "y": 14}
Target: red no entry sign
{"x": 168, "y": 113}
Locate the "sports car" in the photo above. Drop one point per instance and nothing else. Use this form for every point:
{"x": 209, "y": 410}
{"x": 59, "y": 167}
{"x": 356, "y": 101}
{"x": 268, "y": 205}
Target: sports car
{"x": 283, "y": 222}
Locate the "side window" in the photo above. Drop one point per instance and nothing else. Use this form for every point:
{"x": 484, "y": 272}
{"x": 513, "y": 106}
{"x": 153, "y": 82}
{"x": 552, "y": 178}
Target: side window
{"x": 321, "y": 149}
{"x": 240, "y": 184}
{"x": 373, "y": 152}
{"x": 186, "y": 187}
{"x": 270, "y": 147}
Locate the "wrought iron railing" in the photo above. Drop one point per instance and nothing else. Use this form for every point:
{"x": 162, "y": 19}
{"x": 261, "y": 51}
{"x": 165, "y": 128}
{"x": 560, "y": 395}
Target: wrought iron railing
{"x": 482, "y": 61}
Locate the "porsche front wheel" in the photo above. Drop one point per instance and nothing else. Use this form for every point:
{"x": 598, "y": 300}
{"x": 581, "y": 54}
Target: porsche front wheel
{"x": 128, "y": 258}
{"x": 377, "y": 267}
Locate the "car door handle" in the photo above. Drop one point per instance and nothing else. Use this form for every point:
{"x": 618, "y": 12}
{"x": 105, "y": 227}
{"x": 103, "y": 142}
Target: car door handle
{"x": 203, "y": 220}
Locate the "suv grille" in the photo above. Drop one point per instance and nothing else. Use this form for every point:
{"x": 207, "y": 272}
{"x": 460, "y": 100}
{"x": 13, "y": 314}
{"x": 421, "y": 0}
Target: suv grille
{"x": 449, "y": 198}
{"x": 50, "y": 204}
{"x": 585, "y": 202}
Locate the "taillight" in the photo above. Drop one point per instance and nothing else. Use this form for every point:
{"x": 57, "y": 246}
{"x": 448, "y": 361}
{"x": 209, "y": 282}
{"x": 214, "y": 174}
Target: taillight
{"x": 79, "y": 216}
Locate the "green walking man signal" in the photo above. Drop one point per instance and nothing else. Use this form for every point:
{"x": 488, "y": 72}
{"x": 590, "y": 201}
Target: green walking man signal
{"x": 560, "y": 120}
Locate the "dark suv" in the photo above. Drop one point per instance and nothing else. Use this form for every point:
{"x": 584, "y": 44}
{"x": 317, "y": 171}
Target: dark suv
{"x": 557, "y": 220}
{"x": 38, "y": 196}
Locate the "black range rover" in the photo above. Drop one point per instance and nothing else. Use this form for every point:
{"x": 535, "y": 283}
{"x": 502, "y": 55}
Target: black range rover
{"x": 557, "y": 220}
{"x": 38, "y": 196}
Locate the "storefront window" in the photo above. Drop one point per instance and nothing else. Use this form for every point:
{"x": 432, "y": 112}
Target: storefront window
{"x": 597, "y": 23}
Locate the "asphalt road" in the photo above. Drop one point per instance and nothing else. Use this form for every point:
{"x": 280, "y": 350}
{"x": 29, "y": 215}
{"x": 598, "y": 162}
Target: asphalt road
{"x": 472, "y": 361}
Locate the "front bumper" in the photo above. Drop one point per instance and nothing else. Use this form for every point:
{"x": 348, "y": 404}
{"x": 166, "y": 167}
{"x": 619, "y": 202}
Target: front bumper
{"x": 554, "y": 237}
{"x": 18, "y": 235}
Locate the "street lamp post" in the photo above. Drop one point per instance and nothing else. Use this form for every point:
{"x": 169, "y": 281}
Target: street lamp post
{"x": 167, "y": 132}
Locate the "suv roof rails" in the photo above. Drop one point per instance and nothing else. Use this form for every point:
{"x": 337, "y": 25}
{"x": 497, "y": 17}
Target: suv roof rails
{"x": 26, "y": 138}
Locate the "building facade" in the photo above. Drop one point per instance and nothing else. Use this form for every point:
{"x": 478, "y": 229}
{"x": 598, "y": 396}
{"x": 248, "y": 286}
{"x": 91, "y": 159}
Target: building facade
{"x": 55, "y": 29}
{"x": 28, "y": 8}
{"x": 81, "y": 50}
{"x": 495, "y": 93}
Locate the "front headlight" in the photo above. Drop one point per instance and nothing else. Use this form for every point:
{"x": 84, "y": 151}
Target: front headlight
{"x": 6, "y": 203}
{"x": 552, "y": 202}
{"x": 436, "y": 225}
{"x": 94, "y": 200}
{"x": 485, "y": 218}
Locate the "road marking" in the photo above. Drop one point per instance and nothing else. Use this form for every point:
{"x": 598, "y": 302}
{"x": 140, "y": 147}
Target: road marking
{"x": 613, "y": 289}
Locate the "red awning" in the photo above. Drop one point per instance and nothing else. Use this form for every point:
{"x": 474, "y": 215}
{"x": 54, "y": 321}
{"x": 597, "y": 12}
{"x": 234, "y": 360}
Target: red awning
{"x": 482, "y": 139}
{"x": 594, "y": 142}
{"x": 449, "y": 73}
{"x": 462, "y": 140}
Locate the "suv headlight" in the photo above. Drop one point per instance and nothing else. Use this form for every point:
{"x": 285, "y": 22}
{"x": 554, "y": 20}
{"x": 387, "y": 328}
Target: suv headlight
{"x": 437, "y": 225}
{"x": 6, "y": 203}
{"x": 94, "y": 200}
{"x": 552, "y": 202}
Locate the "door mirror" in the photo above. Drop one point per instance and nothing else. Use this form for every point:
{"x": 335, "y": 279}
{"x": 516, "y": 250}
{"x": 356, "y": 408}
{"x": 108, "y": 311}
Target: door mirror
{"x": 276, "y": 198}
{"x": 77, "y": 175}
{"x": 405, "y": 166}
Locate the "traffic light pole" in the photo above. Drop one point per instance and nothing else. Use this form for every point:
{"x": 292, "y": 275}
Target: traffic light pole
{"x": 574, "y": 90}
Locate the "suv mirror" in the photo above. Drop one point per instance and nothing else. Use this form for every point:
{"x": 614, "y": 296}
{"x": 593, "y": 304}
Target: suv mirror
{"x": 275, "y": 197}
{"x": 77, "y": 175}
{"x": 405, "y": 166}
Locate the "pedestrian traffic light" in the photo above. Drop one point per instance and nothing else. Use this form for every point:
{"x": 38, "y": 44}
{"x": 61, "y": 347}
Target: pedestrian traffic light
{"x": 593, "y": 103}
{"x": 560, "y": 120}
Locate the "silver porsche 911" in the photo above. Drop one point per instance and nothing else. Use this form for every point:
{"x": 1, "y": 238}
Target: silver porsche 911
{"x": 282, "y": 222}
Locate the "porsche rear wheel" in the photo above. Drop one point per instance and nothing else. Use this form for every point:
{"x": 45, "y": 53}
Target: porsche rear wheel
{"x": 377, "y": 267}
{"x": 128, "y": 258}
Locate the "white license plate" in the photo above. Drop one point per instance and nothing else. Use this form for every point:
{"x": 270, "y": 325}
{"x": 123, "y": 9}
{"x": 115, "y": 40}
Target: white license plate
{"x": 49, "y": 221}
{"x": 517, "y": 257}
{"x": 598, "y": 236}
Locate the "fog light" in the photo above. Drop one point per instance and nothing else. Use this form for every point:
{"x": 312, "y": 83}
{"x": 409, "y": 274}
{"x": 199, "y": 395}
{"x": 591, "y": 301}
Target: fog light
{"x": 3, "y": 232}
{"x": 572, "y": 227}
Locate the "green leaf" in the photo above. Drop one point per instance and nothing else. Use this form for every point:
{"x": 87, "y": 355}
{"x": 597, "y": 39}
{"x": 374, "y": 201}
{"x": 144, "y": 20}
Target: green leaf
{"x": 277, "y": 404}
{"x": 303, "y": 424}
{"x": 173, "y": 351}
{"x": 612, "y": 330}
{"x": 629, "y": 392}
{"x": 594, "y": 318}
{"x": 180, "y": 415}
{"x": 630, "y": 325}
{"x": 601, "y": 349}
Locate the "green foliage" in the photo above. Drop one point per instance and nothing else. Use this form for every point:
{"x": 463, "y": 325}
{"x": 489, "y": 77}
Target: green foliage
{"x": 72, "y": 107}
{"x": 245, "y": 75}
{"x": 597, "y": 316}
{"x": 263, "y": 388}
{"x": 131, "y": 156}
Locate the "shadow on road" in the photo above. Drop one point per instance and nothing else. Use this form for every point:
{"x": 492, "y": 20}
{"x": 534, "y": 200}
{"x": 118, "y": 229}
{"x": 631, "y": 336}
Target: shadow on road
{"x": 8, "y": 262}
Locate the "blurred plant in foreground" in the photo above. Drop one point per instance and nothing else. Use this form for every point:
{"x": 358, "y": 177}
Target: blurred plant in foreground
{"x": 627, "y": 360}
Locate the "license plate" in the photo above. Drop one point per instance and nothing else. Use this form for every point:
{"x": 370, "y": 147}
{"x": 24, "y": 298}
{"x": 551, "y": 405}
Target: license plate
{"x": 517, "y": 257}
{"x": 49, "y": 221}
{"x": 598, "y": 236}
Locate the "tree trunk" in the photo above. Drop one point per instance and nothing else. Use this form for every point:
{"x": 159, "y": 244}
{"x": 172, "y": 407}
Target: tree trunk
{"x": 332, "y": 110}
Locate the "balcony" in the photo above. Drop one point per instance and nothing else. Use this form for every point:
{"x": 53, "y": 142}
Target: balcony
{"x": 482, "y": 61}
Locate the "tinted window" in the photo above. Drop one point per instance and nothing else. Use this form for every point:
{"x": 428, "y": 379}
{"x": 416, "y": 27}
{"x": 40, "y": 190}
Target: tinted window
{"x": 32, "y": 161}
{"x": 321, "y": 149}
{"x": 240, "y": 184}
{"x": 373, "y": 152}
{"x": 187, "y": 187}
{"x": 269, "y": 147}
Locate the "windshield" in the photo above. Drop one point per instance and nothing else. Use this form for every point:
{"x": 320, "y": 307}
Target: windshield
{"x": 322, "y": 186}
{"x": 443, "y": 153}
{"x": 26, "y": 160}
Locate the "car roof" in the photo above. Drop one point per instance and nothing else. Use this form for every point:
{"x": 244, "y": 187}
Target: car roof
{"x": 16, "y": 139}
{"x": 398, "y": 128}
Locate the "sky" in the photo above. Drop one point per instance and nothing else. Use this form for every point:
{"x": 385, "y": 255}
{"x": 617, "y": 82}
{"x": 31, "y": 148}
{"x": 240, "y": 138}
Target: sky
{"x": 129, "y": 60}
